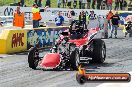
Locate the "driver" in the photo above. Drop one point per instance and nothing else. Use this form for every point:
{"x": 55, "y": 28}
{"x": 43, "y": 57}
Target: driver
{"x": 75, "y": 30}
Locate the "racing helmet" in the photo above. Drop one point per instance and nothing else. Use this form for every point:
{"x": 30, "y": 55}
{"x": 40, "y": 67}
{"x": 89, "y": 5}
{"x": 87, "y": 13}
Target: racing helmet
{"x": 74, "y": 25}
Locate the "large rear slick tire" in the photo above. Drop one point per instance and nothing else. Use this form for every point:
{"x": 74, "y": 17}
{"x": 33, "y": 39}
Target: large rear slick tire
{"x": 99, "y": 51}
{"x": 33, "y": 57}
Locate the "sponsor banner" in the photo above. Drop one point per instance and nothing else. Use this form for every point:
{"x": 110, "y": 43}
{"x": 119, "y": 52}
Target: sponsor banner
{"x": 43, "y": 37}
{"x": 125, "y": 16}
{"x": 49, "y": 15}
{"x": 83, "y": 76}
{"x": 14, "y": 41}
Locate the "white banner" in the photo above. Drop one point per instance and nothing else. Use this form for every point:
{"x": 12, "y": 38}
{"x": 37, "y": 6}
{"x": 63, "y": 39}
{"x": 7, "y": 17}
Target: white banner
{"x": 47, "y": 16}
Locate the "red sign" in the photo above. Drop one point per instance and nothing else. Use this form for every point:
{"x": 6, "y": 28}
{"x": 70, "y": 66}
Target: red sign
{"x": 17, "y": 40}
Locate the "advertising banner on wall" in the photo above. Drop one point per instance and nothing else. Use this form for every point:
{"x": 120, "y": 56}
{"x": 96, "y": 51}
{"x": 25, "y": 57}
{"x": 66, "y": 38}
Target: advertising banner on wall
{"x": 49, "y": 15}
{"x": 13, "y": 41}
{"x": 125, "y": 16}
{"x": 42, "y": 37}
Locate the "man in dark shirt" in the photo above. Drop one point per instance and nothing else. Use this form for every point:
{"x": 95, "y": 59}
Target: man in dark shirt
{"x": 114, "y": 22}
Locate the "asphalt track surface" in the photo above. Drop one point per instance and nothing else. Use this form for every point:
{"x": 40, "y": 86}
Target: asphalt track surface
{"x": 14, "y": 70}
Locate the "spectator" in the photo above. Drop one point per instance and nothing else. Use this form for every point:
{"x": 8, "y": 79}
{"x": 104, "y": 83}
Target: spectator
{"x": 99, "y": 4}
{"x": 74, "y": 3}
{"x": 69, "y": 3}
{"x": 48, "y": 3}
{"x": 72, "y": 17}
{"x": 58, "y": 3}
{"x": 88, "y": 4}
{"x": 108, "y": 17}
{"x": 40, "y": 3}
{"x": 22, "y": 2}
{"x": 84, "y": 4}
{"x": 109, "y": 4}
{"x": 19, "y": 19}
{"x": 93, "y": 4}
{"x": 80, "y": 4}
{"x": 103, "y": 4}
{"x": 84, "y": 19}
{"x": 92, "y": 16}
{"x": 128, "y": 28}
{"x": 121, "y": 4}
{"x": 59, "y": 19}
{"x": 36, "y": 1}
{"x": 19, "y": 4}
{"x": 114, "y": 22}
{"x": 64, "y": 3}
{"x": 124, "y": 5}
{"x": 116, "y": 4}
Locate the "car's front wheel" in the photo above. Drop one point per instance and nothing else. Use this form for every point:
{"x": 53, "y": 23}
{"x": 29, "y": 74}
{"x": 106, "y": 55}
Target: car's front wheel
{"x": 33, "y": 57}
{"x": 75, "y": 59}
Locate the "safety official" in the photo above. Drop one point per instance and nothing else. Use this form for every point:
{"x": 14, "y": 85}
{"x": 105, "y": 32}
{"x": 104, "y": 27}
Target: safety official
{"x": 19, "y": 19}
{"x": 36, "y": 16}
{"x": 84, "y": 19}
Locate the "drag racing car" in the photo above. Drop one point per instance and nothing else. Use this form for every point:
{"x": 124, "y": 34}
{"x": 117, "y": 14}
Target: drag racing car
{"x": 73, "y": 47}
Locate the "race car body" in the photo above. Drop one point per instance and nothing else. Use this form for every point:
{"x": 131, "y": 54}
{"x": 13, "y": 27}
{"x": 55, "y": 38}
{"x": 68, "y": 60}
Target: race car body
{"x": 71, "y": 49}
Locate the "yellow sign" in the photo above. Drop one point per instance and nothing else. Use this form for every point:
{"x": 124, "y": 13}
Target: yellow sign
{"x": 13, "y": 41}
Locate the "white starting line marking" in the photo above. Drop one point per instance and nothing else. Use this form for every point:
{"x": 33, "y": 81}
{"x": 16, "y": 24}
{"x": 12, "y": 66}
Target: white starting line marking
{"x": 4, "y": 55}
{"x": 126, "y": 84}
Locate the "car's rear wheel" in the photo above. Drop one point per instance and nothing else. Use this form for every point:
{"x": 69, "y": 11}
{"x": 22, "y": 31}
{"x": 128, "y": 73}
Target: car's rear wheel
{"x": 99, "y": 51}
{"x": 75, "y": 59}
{"x": 33, "y": 57}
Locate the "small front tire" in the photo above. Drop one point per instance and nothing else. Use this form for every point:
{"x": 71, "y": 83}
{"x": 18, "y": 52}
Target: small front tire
{"x": 33, "y": 58}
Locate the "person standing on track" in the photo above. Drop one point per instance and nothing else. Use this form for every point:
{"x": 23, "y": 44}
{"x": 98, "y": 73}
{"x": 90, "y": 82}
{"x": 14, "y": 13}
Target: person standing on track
{"x": 114, "y": 22}
{"x": 108, "y": 17}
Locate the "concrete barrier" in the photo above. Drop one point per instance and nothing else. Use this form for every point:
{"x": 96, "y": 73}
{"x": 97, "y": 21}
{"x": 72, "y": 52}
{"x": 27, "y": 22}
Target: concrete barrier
{"x": 13, "y": 41}
{"x": 43, "y": 37}
{"x": 18, "y": 40}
